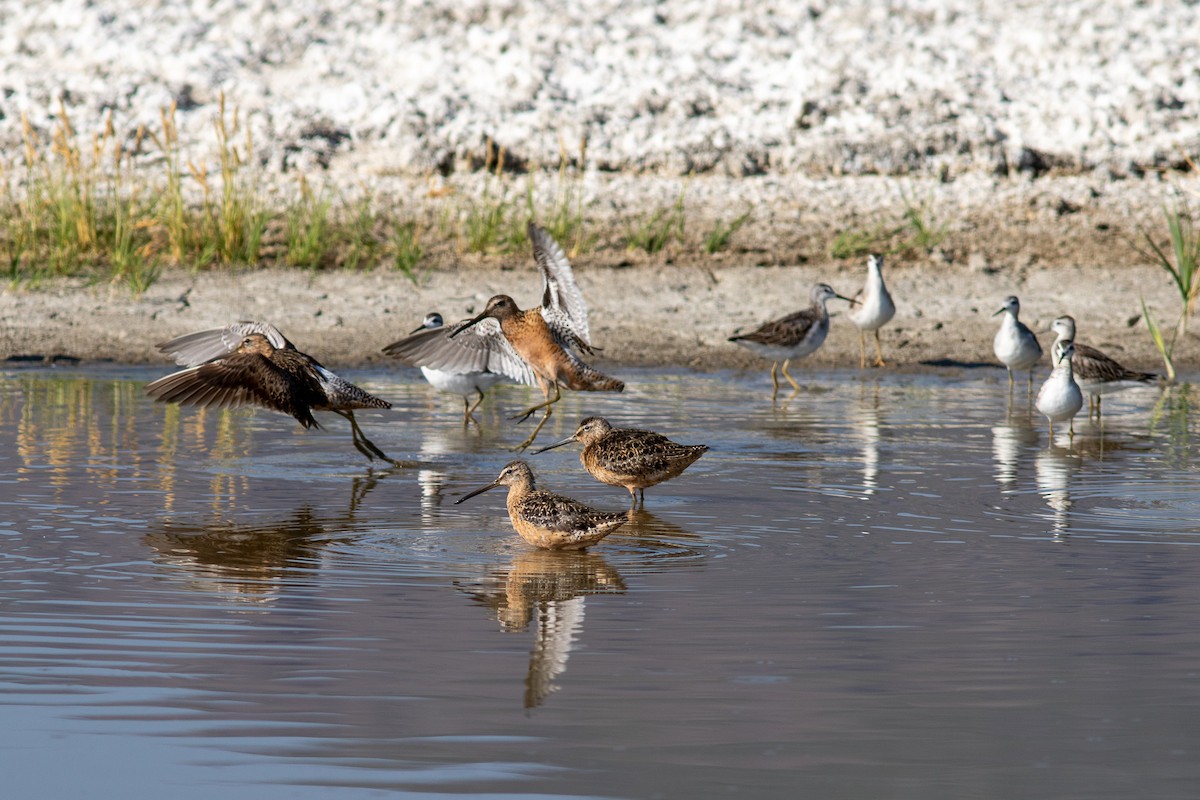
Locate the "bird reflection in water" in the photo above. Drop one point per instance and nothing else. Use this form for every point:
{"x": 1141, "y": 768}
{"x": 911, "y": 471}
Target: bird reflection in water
{"x": 1055, "y": 466}
{"x": 1009, "y": 439}
{"x": 864, "y": 421}
{"x": 249, "y": 562}
{"x": 546, "y": 588}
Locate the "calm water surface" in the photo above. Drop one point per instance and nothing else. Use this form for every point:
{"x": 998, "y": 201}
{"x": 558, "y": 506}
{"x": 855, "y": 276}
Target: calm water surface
{"x": 887, "y": 586}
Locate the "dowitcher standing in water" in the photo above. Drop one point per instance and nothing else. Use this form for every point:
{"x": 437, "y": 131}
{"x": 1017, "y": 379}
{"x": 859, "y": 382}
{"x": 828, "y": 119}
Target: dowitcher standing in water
{"x": 1095, "y": 372}
{"x": 476, "y": 369}
{"x": 549, "y": 520}
{"x": 875, "y": 310}
{"x": 1014, "y": 344}
{"x": 253, "y": 363}
{"x": 631, "y": 458}
{"x": 794, "y": 336}
{"x": 1060, "y": 398}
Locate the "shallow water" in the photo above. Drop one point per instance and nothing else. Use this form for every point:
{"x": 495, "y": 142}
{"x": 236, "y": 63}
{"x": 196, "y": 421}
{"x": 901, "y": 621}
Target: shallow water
{"x": 886, "y": 586}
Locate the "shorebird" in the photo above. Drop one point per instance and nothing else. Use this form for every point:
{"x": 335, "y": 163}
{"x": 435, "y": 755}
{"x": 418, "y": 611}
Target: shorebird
{"x": 473, "y": 374}
{"x": 1015, "y": 345}
{"x": 876, "y": 310}
{"x": 628, "y": 457}
{"x": 1060, "y": 398}
{"x": 253, "y": 363}
{"x": 1095, "y": 372}
{"x": 535, "y": 346}
{"x": 793, "y": 336}
{"x": 549, "y": 520}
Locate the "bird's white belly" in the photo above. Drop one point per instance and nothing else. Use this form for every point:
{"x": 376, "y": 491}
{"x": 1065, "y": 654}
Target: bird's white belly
{"x": 464, "y": 383}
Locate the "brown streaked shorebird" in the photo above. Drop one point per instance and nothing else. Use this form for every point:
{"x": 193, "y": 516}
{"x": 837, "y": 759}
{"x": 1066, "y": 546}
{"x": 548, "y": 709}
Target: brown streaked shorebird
{"x": 1095, "y": 372}
{"x": 253, "y": 363}
{"x": 549, "y": 520}
{"x": 628, "y": 457}
{"x": 794, "y": 336}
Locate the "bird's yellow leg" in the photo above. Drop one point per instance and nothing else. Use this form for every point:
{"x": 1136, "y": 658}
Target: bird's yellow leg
{"x": 532, "y": 436}
{"x": 549, "y": 401}
{"x": 774, "y": 380}
{"x": 862, "y": 349}
{"x": 879, "y": 362}
{"x": 786, "y": 374}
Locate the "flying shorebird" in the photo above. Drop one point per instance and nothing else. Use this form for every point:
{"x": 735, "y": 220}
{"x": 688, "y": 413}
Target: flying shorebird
{"x": 1095, "y": 372}
{"x": 477, "y": 370}
{"x": 794, "y": 336}
{"x": 1014, "y": 344}
{"x": 628, "y": 457}
{"x": 549, "y": 520}
{"x": 253, "y": 363}
{"x": 487, "y": 350}
{"x": 1060, "y": 399}
{"x": 876, "y": 310}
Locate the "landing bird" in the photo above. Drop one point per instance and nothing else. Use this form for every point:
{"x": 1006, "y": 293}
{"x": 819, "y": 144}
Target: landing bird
{"x": 545, "y": 345}
{"x": 1060, "y": 399}
{"x": 535, "y": 347}
{"x": 1095, "y": 372}
{"x": 549, "y": 520}
{"x": 794, "y": 336}
{"x": 1015, "y": 345}
{"x": 253, "y": 363}
{"x": 875, "y": 310}
{"x": 476, "y": 370}
{"x": 627, "y": 457}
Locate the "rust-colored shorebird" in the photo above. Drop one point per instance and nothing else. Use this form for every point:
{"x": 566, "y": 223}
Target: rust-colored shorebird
{"x": 629, "y": 457}
{"x": 253, "y": 363}
{"x": 549, "y": 520}
{"x": 543, "y": 340}
{"x": 794, "y": 336}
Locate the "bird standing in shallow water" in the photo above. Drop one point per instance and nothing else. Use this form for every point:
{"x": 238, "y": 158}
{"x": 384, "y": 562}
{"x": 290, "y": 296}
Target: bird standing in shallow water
{"x": 473, "y": 374}
{"x": 1014, "y": 344}
{"x": 875, "y": 310}
{"x": 1060, "y": 398}
{"x": 794, "y": 336}
{"x": 1095, "y": 372}
{"x": 549, "y": 520}
{"x": 628, "y": 457}
{"x": 253, "y": 363}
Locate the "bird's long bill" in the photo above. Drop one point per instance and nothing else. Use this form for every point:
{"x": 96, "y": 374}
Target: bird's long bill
{"x": 567, "y": 440}
{"x": 849, "y": 300}
{"x": 417, "y": 329}
{"x": 480, "y": 490}
{"x": 459, "y": 329}
{"x": 999, "y": 312}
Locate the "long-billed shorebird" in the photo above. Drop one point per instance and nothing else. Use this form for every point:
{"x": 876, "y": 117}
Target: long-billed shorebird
{"x": 875, "y": 310}
{"x": 628, "y": 457}
{"x": 794, "y": 336}
{"x": 477, "y": 369}
{"x": 1060, "y": 398}
{"x": 1095, "y": 372}
{"x": 252, "y": 363}
{"x": 536, "y": 346}
{"x": 549, "y": 520}
{"x": 1014, "y": 344}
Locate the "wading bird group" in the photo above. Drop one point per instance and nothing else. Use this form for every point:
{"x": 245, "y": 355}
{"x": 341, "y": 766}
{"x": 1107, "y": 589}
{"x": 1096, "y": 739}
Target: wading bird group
{"x": 253, "y": 363}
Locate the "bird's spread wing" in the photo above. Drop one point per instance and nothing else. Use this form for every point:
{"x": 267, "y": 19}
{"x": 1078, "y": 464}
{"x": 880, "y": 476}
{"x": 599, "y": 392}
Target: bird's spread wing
{"x": 480, "y": 348}
{"x": 562, "y": 301}
{"x": 239, "y": 379}
{"x": 192, "y": 349}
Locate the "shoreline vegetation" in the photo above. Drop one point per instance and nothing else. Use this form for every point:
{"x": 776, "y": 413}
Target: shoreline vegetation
{"x": 122, "y": 211}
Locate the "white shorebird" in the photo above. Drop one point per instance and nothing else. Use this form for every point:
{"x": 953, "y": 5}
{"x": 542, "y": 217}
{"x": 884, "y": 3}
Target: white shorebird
{"x": 1015, "y": 345}
{"x": 1060, "y": 397}
{"x": 794, "y": 336}
{"x": 471, "y": 376}
{"x": 877, "y": 309}
{"x": 1095, "y": 372}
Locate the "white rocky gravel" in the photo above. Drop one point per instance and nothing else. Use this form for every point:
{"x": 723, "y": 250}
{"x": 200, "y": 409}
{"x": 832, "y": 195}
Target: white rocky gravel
{"x": 849, "y": 87}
